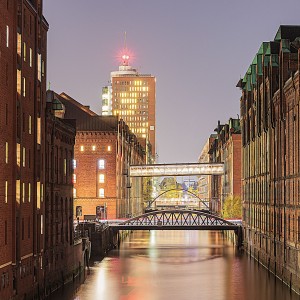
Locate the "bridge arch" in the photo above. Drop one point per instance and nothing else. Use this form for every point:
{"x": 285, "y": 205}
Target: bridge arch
{"x": 179, "y": 219}
{"x": 177, "y": 189}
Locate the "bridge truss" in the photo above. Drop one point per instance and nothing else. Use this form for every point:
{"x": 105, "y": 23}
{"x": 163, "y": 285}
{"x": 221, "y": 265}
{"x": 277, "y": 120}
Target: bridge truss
{"x": 176, "y": 220}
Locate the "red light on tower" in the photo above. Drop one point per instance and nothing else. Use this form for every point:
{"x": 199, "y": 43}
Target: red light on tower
{"x": 125, "y": 59}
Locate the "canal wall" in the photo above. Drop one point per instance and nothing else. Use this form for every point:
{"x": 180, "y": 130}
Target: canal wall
{"x": 281, "y": 260}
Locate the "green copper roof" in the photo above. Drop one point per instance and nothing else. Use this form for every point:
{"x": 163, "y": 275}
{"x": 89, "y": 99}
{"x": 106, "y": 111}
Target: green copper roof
{"x": 259, "y": 64}
{"x": 263, "y": 48}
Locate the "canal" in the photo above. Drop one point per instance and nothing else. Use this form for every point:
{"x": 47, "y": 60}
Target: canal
{"x": 183, "y": 265}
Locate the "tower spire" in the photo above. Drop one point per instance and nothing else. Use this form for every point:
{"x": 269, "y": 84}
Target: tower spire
{"x": 125, "y": 56}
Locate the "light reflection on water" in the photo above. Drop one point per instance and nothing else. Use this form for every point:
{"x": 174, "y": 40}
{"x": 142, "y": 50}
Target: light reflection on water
{"x": 163, "y": 265}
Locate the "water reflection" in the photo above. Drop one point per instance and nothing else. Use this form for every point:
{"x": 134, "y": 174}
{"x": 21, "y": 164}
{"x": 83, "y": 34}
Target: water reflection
{"x": 162, "y": 265}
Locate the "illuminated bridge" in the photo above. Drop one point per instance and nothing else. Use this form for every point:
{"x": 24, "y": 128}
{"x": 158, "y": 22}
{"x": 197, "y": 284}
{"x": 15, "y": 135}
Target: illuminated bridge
{"x": 178, "y": 220}
{"x": 158, "y": 170}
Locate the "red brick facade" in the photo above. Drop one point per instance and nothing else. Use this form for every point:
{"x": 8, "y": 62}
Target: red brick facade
{"x": 22, "y": 118}
{"x": 59, "y": 253}
{"x": 270, "y": 136}
{"x": 226, "y": 148}
{"x": 104, "y": 149}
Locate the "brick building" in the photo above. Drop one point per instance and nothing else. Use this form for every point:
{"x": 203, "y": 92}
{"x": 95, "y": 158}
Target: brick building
{"x": 22, "y": 118}
{"x": 61, "y": 255}
{"x": 270, "y": 138}
{"x": 104, "y": 149}
{"x": 225, "y": 147}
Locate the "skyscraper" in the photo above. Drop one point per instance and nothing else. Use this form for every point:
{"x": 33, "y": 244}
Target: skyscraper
{"x": 132, "y": 97}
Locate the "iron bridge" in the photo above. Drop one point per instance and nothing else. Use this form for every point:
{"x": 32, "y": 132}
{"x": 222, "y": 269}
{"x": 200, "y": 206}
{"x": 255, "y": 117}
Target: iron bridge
{"x": 176, "y": 219}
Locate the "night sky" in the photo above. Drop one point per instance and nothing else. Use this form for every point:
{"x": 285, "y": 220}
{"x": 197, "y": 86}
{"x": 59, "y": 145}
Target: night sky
{"x": 196, "y": 49}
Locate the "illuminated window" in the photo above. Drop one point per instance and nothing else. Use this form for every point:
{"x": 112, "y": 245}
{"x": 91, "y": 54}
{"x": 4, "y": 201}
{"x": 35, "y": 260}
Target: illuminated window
{"x": 18, "y": 191}
{"x": 23, "y": 192}
{"x": 108, "y": 148}
{"x": 29, "y": 192}
{"x": 7, "y": 36}
{"x": 74, "y": 193}
{"x": 42, "y": 192}
{"x": 78, "y": 211}
{"x": 6, "y": 191}
{"x": 30, "y": 57}
{"x": 151, "y": 127}
{"x": 38, "y": 194}
{"x": 65, "y": 166}
{"x": 101, "y": 193}
{"x": 39, "y": 65}
{"x": 81, "y": 148}
{"x": 29, "y": 124}
{"x": 24, "y": 156}
{"x": 24, "y": 87}
{"x": 42, "y": 225}
{"x": 101, "y": 178}
{"x": 101, "y": 164}
{"x": 38, "y": 131}
{"x": 19, "y": 44}
{"x": 74, "y": 163}
{"x": 24, "y": 51}
{"x": 19, "y": 82}
{"x": 94, "y": 148}
{"x": 74, "y": 178}
{"x": 6, "y": 152}
{"x": 18, "y": 154}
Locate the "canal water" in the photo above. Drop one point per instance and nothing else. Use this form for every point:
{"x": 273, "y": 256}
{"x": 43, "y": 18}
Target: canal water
{"x": 177, "y": 265}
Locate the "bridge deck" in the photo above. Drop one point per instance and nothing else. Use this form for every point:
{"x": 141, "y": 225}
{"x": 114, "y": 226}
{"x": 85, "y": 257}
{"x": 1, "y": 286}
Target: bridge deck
{"x": 157, "y": 170}
{"x": 174, "y": 227}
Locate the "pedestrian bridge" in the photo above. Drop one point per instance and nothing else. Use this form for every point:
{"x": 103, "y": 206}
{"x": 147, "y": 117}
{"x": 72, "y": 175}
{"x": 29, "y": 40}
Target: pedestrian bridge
{"x": 176, "y": 219}
{"x": 179, "y": 169}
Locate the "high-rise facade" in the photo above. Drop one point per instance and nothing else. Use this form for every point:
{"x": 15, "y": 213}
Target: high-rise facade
{"x": 133, "y": 98}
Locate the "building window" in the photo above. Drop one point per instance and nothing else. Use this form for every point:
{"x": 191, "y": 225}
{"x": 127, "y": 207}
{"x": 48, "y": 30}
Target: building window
{"x": 101, "y": 193}
{"x": 23, "y": 192}
{"x": 24, "y": 51}
{"x": 18, "y": 191}
{"x": 6, "y": 192}
{"x": 74, "y": 193}
{"x": 29, "y": 124}
{"x": 19, "y": 44}
{"x": 38, "y": 194}
{"x": 24, "y": 156}
{"x": 101, "y": 164}
{"x": 38, "y": 131}
{"x": 74, "y": 164}
{"x": 39, "y": 65}
{"x": 6, "y": 152}
{"x": 29, "y": 192}
{"x": 24, "y": 87}
{"x": 42, "y": 224}
{"x": 81, "y": 148}
{"x": 18, "y": 155}
{"x": 7, "y": 36}
{"x": 19, "y": 84}
{"x": 108, "y": 148}
{"x": 65, "y": 166}
{"x": 74, "y": 178}
{"x": 93, "y": 148}
{"x": 78, "y": 211}
{"x": 30, "y": 57}
{"x": 101, "y": 178}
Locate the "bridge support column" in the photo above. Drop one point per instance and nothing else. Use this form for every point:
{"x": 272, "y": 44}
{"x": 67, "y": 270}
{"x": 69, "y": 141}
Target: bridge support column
{"x": 239, "y": 237}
